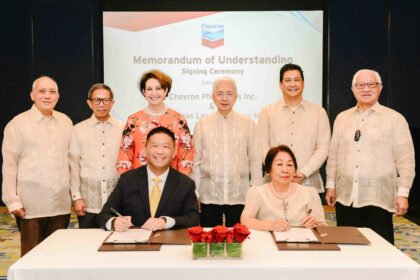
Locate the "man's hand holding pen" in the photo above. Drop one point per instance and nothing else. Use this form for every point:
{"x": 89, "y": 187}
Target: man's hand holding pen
{"x": 122, "y": 223}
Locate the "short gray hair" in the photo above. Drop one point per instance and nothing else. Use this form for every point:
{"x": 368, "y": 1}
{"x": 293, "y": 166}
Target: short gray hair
{"x": 224, "y": 79}
{"x": 40, "y": 77}
{"x": 376, "y": 74}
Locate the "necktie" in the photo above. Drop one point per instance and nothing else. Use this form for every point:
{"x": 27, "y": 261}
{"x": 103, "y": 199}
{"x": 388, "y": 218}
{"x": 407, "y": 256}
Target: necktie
{"x": 155, "y": 196}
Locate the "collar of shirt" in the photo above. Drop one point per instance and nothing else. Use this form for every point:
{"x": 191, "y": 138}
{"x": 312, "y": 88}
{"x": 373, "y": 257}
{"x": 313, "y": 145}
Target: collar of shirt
{"x": 229, "y": 116}
{"x": 38, "y": 116}
{"x": 286, "y": 107}
{"x": 94, "y": 121}
{"x": 374, "y": 109}
{"x": 151, "y": 176}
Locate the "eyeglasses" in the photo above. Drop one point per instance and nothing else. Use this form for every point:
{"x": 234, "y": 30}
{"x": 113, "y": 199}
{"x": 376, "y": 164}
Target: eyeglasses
{"x": 370, "y": 85}
{"x": 98, "y": 101}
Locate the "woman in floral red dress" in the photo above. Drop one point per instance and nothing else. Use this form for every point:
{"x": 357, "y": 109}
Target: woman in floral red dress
{"x": 155, "y": 87}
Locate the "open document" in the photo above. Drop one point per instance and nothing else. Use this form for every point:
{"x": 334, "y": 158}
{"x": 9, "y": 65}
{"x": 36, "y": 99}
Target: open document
{"x": 133, "y": 235}
{"x": 295, "y": 234}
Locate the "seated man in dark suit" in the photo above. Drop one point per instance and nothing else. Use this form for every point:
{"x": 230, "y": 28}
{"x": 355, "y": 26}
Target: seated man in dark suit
{"x": 154, "y": 196}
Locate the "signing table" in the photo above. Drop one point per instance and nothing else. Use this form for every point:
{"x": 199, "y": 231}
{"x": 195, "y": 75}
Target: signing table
{"x": 73, "y": 254}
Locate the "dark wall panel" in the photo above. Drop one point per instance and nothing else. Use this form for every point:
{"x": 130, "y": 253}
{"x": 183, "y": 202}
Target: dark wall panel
{"x": 63, "y": 49}
{"x": 404, "y": 59}
{"x": 358, "y": 39}
{"x": 15, "y": 59}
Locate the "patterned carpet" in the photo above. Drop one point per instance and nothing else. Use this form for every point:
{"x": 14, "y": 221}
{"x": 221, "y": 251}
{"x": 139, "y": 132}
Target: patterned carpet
{"x": 407, "y": 237}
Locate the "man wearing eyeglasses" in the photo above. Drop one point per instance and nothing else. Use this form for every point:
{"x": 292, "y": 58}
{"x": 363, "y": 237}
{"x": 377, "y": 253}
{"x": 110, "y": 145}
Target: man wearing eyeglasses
{"x": 299, "y": 124}
{"x": 370, "y": 167}
{"x": 226, "y": 158}
{"x": 93, "y": 156}
{"x": 35, "y": 166}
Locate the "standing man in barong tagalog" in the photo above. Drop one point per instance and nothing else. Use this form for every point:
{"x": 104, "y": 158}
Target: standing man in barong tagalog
{"x": 36, "y": 167}
{"x": 227, "y": 158}
{"x": 371, "y": 166}
{"x": 299, "y": 124}
{"x": 93, "y": 156}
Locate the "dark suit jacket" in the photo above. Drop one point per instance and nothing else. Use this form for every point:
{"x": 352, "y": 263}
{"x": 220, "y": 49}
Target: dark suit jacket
{"x": 131, "y": 198}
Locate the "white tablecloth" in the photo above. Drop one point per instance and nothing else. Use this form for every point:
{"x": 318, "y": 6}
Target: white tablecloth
{"x": 72, "y": 254}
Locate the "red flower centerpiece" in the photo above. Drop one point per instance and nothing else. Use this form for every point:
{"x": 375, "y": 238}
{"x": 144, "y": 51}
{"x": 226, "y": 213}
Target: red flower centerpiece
{"x": 216, "y": 240}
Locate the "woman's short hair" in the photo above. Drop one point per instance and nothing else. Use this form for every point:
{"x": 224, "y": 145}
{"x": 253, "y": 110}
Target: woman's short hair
{"x": 271, "y": 154}
{"x": 164, "y": 80}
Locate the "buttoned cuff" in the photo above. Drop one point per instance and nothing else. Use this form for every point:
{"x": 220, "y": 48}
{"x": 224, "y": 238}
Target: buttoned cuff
{"x": 170, "y": 222}
{"x": 75, "y": 196}
{"x": 403, "y": 192}
{"x": 14, "y": 206}
{"x": 330, "y": 185}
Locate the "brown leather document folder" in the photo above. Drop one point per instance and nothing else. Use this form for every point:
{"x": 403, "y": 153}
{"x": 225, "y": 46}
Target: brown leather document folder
{"x": 340, "y": 235}
{"x": 108, "y": 247}
{"x": 170, "y": 236}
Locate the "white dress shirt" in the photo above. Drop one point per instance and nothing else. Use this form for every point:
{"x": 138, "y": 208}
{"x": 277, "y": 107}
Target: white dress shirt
{"x": 35, "y": 164}
{"x": 93, "y": 156}
{"x": 377, "y": 167}
{"x": 226, "y": 153}
{"x": 305, "y": 130}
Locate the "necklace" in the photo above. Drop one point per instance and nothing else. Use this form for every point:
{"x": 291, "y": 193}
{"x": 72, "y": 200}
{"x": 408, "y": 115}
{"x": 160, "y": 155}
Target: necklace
{"x": 156, "y": 114}
{"x": 280, "y": 195}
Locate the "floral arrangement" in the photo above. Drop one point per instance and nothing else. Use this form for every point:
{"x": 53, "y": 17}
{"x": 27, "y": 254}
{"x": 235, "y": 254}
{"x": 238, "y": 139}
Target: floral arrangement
{"x": 217, "y": 239}
{"x": 219, "y": 234}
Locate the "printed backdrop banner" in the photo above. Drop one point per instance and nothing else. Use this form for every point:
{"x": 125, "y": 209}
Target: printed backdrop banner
{"x": 195, "y": 48}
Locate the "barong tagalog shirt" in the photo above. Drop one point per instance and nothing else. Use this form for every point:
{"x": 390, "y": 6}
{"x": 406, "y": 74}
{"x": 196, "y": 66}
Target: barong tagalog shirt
{"x": 304, "y": 129}
{"x": 226, "y": 154}
{"x": 35, "y": 164}
{"x": 93, "y": 161}
{"x": 378, "y": 166}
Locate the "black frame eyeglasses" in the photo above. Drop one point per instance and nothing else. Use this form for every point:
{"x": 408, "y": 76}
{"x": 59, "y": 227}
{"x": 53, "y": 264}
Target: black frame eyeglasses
{"x": 97, "y": 101}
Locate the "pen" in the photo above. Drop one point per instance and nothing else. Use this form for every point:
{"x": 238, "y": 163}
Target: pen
{"x": 118, "y": 214}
